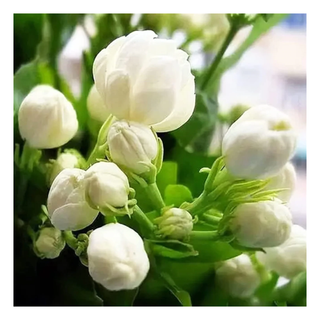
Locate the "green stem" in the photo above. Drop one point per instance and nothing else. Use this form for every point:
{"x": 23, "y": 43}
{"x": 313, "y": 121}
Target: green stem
{"x": 101, "y": 144}
{"x": 110, "y": 219}
{"x": 143, "y": 220}
{"x": 195, "y": 208}
{"x": 211, "y": 219}
{"x": 71, "y": 240}
{"x": 204, "y": 235}
{"x": 154, "y": 195}
{"x": 210, "y": 73}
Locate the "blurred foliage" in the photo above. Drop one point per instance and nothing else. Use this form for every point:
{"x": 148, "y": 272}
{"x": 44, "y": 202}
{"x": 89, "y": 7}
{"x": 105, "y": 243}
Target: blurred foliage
{"x": 38, "y": 40}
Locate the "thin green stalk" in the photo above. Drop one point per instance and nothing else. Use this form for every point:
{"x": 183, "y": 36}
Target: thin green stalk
{"x": 154, "y": 195}
{"x": 143, "y": 220}
{"x": 211, "y": 219}
{"x": 70, "y": 239}
{"x": 210, "y": 73}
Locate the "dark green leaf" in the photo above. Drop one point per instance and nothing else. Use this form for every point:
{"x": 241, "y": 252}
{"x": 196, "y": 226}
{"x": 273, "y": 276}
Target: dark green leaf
{"x": 27, "y": 36}
{"x": 176, "y": 194}
{"x": 181, "y": 295}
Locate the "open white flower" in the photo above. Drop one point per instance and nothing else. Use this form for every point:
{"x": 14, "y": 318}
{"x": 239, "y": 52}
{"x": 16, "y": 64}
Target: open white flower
{"x": 105, "y": 185}
{"x": 96, "y": 108}
{"x": 261, "y": 224}
{"x": 117, "y": 258}
{"x": 131, "y": 143}
{"x": 238, "y": 277}
{"x": 46, "y": 118}
{"x": 146, "y": 80}
{"x": 67, "y": 206}
{"x": 288, "y": 259}
{"x": 285, "y": 179}
{"x": 259, "y": 143}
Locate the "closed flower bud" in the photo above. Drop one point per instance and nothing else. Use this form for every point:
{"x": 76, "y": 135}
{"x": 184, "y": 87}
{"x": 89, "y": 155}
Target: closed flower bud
{"x": 96, "y": 108}
{"x": 238, "y": 276}
{"x": 146, "y": 80}
{"x": 69, "y": 159}
{"x": 285, "y": 179}
{"x": 49, "y": 243}
{"x": 288, "y": 259}
{"x": 130, "y": 144}
{"x": 261, "y": 224}
{"x": 67, "y": 206}
{"x": 175, "y": 223}
{"x": 259, "y": 143}
{"x": 106, "y": 185}
{"x": 46, "y": 118}
{"x": 117, "y": 258}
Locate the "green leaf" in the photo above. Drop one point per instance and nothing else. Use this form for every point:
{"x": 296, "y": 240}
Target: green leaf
{"x": 172, "y": 249}
{"x": 27, "y": 36}
{"x": 181, "y": 295}
{"x": 189, "y": 165}
{"x": 176, "y": 194}
{"x": 196, "y": 133}
{"x": 116, "y": 298}
{"x": 294, "y": 292}
{"x": 167, "y": 175}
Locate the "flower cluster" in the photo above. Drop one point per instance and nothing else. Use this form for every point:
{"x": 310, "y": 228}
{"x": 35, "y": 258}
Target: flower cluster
{"x": 144, "y": 85}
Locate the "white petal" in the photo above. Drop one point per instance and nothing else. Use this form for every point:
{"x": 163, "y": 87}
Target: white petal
{"x": 182, "y": 111}
{"x": 133, "y": 53}
{"x": 162, "y": 47}
{"x": 156, "y": 89}
{"x": 74, "y": 216}
{"x": 117, "y": 95}
{"x": 104, "y": 62}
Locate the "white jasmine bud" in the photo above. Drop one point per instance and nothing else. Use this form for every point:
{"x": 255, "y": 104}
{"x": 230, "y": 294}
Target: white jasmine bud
{"x": 49, "y": 243}
{"x": 67, "y": 206}
{"x": 70, "y": 158}
{"x": 285, "y": 179}
{"x": 96, "y": 108}
{"x": 117, "y": 258}
{"x": 238, "y": 276}
{"x": 288, "y": 259}
{"x": 106, "y": 185}
{"x": 259, "y": 143}
{"x": 46, "y": 118}
{"x": 175, "y": 223}
{"x": 130, "y": 144}
{"x": 146, "y": 80}
{"x": 261, "y": 224}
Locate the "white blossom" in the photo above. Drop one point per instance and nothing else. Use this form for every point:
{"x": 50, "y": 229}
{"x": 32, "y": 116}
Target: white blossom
{"x": 146, "y": 80}
{"x": 117, "y": 258}
{"x": 238, "y": 276}
{"x": 259, "y": 143}
{"x": 261, "y": 224}
{"x": 106, "y": 184}
{"x": 288, "y": 259}
{"x": 132, "y": 143}
{"x": 285, "y": 179}
{"x": 96, "y": 108}
{"x": 46, "y": 118}
{"x": 67, "y": 206}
